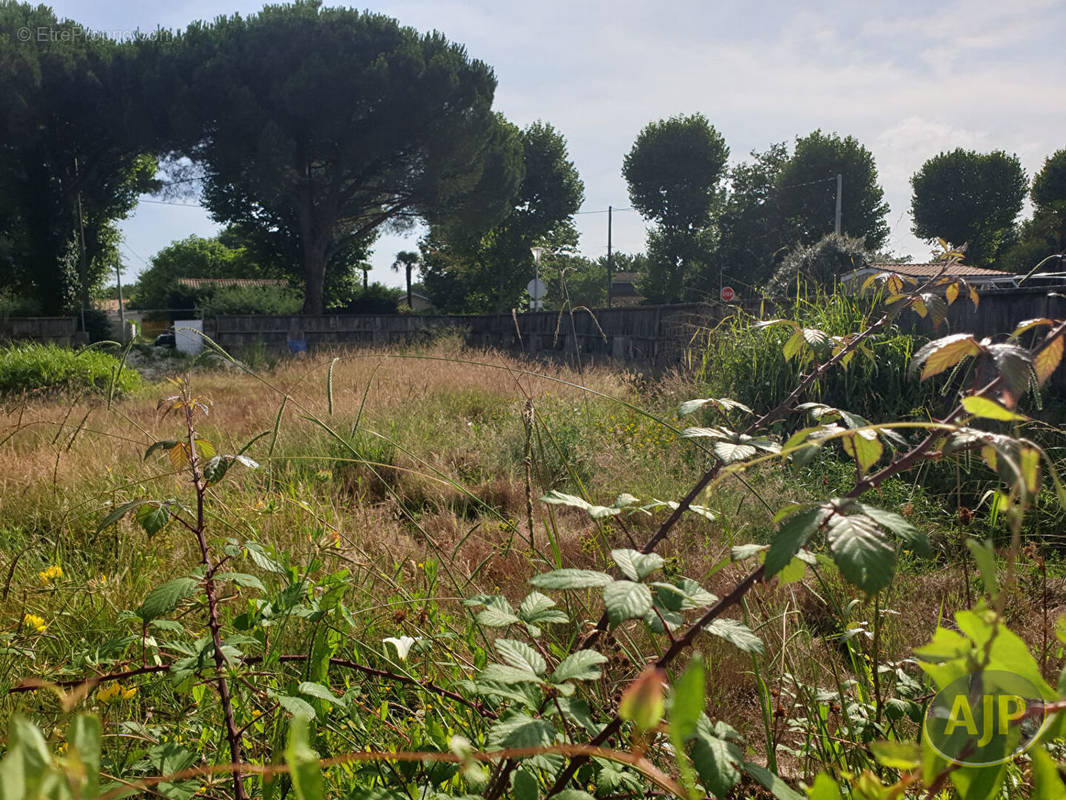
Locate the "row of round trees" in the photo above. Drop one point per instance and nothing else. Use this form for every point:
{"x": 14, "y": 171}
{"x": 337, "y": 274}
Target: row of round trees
{"x": 710, "y": 220}
{"x": 314, "y": 127}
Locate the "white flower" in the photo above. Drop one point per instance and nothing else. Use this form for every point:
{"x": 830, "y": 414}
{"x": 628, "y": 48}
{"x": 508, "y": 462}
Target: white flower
{"x": 403, "y": 645}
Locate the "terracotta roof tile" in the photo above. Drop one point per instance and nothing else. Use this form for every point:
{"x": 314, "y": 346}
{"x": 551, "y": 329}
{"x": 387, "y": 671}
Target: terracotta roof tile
{"x": 199, "y": 283}
{"x": 929, "y": 270}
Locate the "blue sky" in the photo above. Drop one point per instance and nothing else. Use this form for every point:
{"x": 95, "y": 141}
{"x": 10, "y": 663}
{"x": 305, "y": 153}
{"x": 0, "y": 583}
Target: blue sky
{"x": 907, "y": 79}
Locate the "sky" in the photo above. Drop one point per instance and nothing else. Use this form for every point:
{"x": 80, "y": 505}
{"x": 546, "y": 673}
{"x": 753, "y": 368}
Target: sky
{"x": 907, "y": 79}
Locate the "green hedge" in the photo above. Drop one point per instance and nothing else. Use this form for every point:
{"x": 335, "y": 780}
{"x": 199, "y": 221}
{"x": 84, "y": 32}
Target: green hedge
{"x": 45, "y": 369}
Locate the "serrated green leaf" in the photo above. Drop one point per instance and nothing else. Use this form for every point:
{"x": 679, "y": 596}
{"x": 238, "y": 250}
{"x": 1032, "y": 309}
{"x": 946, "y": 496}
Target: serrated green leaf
{"x": 686, "y": 700}
{"x": 85, "y": 737}
{"x": 983, "y": 407}
{"x": 742, "y": 552}
{"x": 216, "y": 468}
{"x": 496, "y": 618}
{"x": 160, "y": 445}
{"x": 942, "y": 354}
{"x": 626, "y": 600}
{"x": 584, "y": 665}
{"x": 895, "y": 523}
{"x": 594, "y": 511}
{"x": 773, "y": 783}
{"x": 518, "y": 729}
{"x": 984, "y": 555}
{"x": 795, "y": 571}
{"x": 320, "y": 692}
{"x": 732, "y": 452}
{"x": 1048, "y": 359}
{"x": 242, "y": 579}
{"x": 153, "y": 516}
{"x": 861, "y": 551}
{"x": 164, "y": 599}
{"x": 296, "y": 706}
{"x": 794, "y": 346}
{"x": 684, "y": 594}
{"x": 636, "y": 565}
{"x": 304, "y": 769}
{"x": 521, "y": 655}
{"x": 261, "y": 559}
{"x": 737, "y": 634}
{"x": 525, "y": 786}
{"x": 717, "y": 761}
{"x": 539, "y": 609}
{"x": 508, "y": 675}
{"x": 571, "y": 579}
{"x": 793, "y": 535}
{"x": 1015, "y": 366}
{"x": 118, "y": 512}
{"x": 720, "y": 403}
{"x": 707, "y": 433}
{"x": 905, "y": 756}
{"x": 824, "y": 788}
{"x": 864, "y": 447}
{"x": 1047, "y": 782}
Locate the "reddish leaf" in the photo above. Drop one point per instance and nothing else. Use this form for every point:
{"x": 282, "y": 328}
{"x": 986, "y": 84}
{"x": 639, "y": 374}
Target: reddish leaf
{"x": 945, "y": 353}
{"x": 1048, "y": 359}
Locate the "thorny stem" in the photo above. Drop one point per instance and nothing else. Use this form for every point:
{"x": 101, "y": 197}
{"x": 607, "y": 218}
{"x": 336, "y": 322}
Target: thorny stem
{"x": 782, "y": 408}
{"x": 904, "y": 462}
{"x": 705, "y": 480}
{"x": 233, "y": 733}
{"x": 31, "y": 685}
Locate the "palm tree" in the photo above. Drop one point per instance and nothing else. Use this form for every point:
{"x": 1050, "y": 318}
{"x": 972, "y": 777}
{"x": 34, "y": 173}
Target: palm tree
{"x": 407, "y": 259}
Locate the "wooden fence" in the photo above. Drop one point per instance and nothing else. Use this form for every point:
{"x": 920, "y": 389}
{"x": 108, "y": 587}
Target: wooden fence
{"x": 999, "y": 311}
{"x": 656, "y": 335}
{"x": 653, "y": 335}
{"x": 60, "y": 330}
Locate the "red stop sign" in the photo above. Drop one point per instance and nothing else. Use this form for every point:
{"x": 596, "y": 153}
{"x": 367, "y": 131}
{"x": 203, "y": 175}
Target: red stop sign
{"x": 727, "y": 294}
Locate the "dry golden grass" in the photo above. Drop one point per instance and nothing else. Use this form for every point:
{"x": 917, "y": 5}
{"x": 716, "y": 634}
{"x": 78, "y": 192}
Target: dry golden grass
{"x": 445, "y": 432}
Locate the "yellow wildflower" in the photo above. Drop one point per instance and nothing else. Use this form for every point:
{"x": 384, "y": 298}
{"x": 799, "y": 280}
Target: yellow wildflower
{"x": 51, "y": 574}
{"x": 35, "y": 622}
{"x": 109, "y": 692}
{"x": 115, "y": 691}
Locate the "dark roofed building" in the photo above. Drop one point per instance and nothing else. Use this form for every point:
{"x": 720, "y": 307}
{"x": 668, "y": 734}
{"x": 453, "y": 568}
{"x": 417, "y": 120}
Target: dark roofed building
{"x": 624, "y": 289}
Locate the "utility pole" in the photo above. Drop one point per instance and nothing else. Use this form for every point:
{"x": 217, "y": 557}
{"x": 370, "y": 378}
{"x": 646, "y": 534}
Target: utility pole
{"x": 121, "y": 310}
{"x": 83, "y": 277}
{"x": 610, "y": 265}
{"x": 840, "y": 189}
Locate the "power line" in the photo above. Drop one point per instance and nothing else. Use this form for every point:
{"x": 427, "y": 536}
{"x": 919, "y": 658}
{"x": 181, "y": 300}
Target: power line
{"x": 605, "y": 211}
{"x": 170, "y": 203}
{"x": 134, "y": 253}
{"x": 808, "y": 183}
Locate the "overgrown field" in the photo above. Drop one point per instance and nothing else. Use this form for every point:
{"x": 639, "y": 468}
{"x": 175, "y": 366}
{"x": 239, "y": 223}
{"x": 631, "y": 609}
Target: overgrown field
{"x": 349, "y": 542}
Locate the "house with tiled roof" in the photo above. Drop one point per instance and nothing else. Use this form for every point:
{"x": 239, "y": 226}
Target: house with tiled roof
{"x": 218, "y": 283}
{"x": 978, "y": 277}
